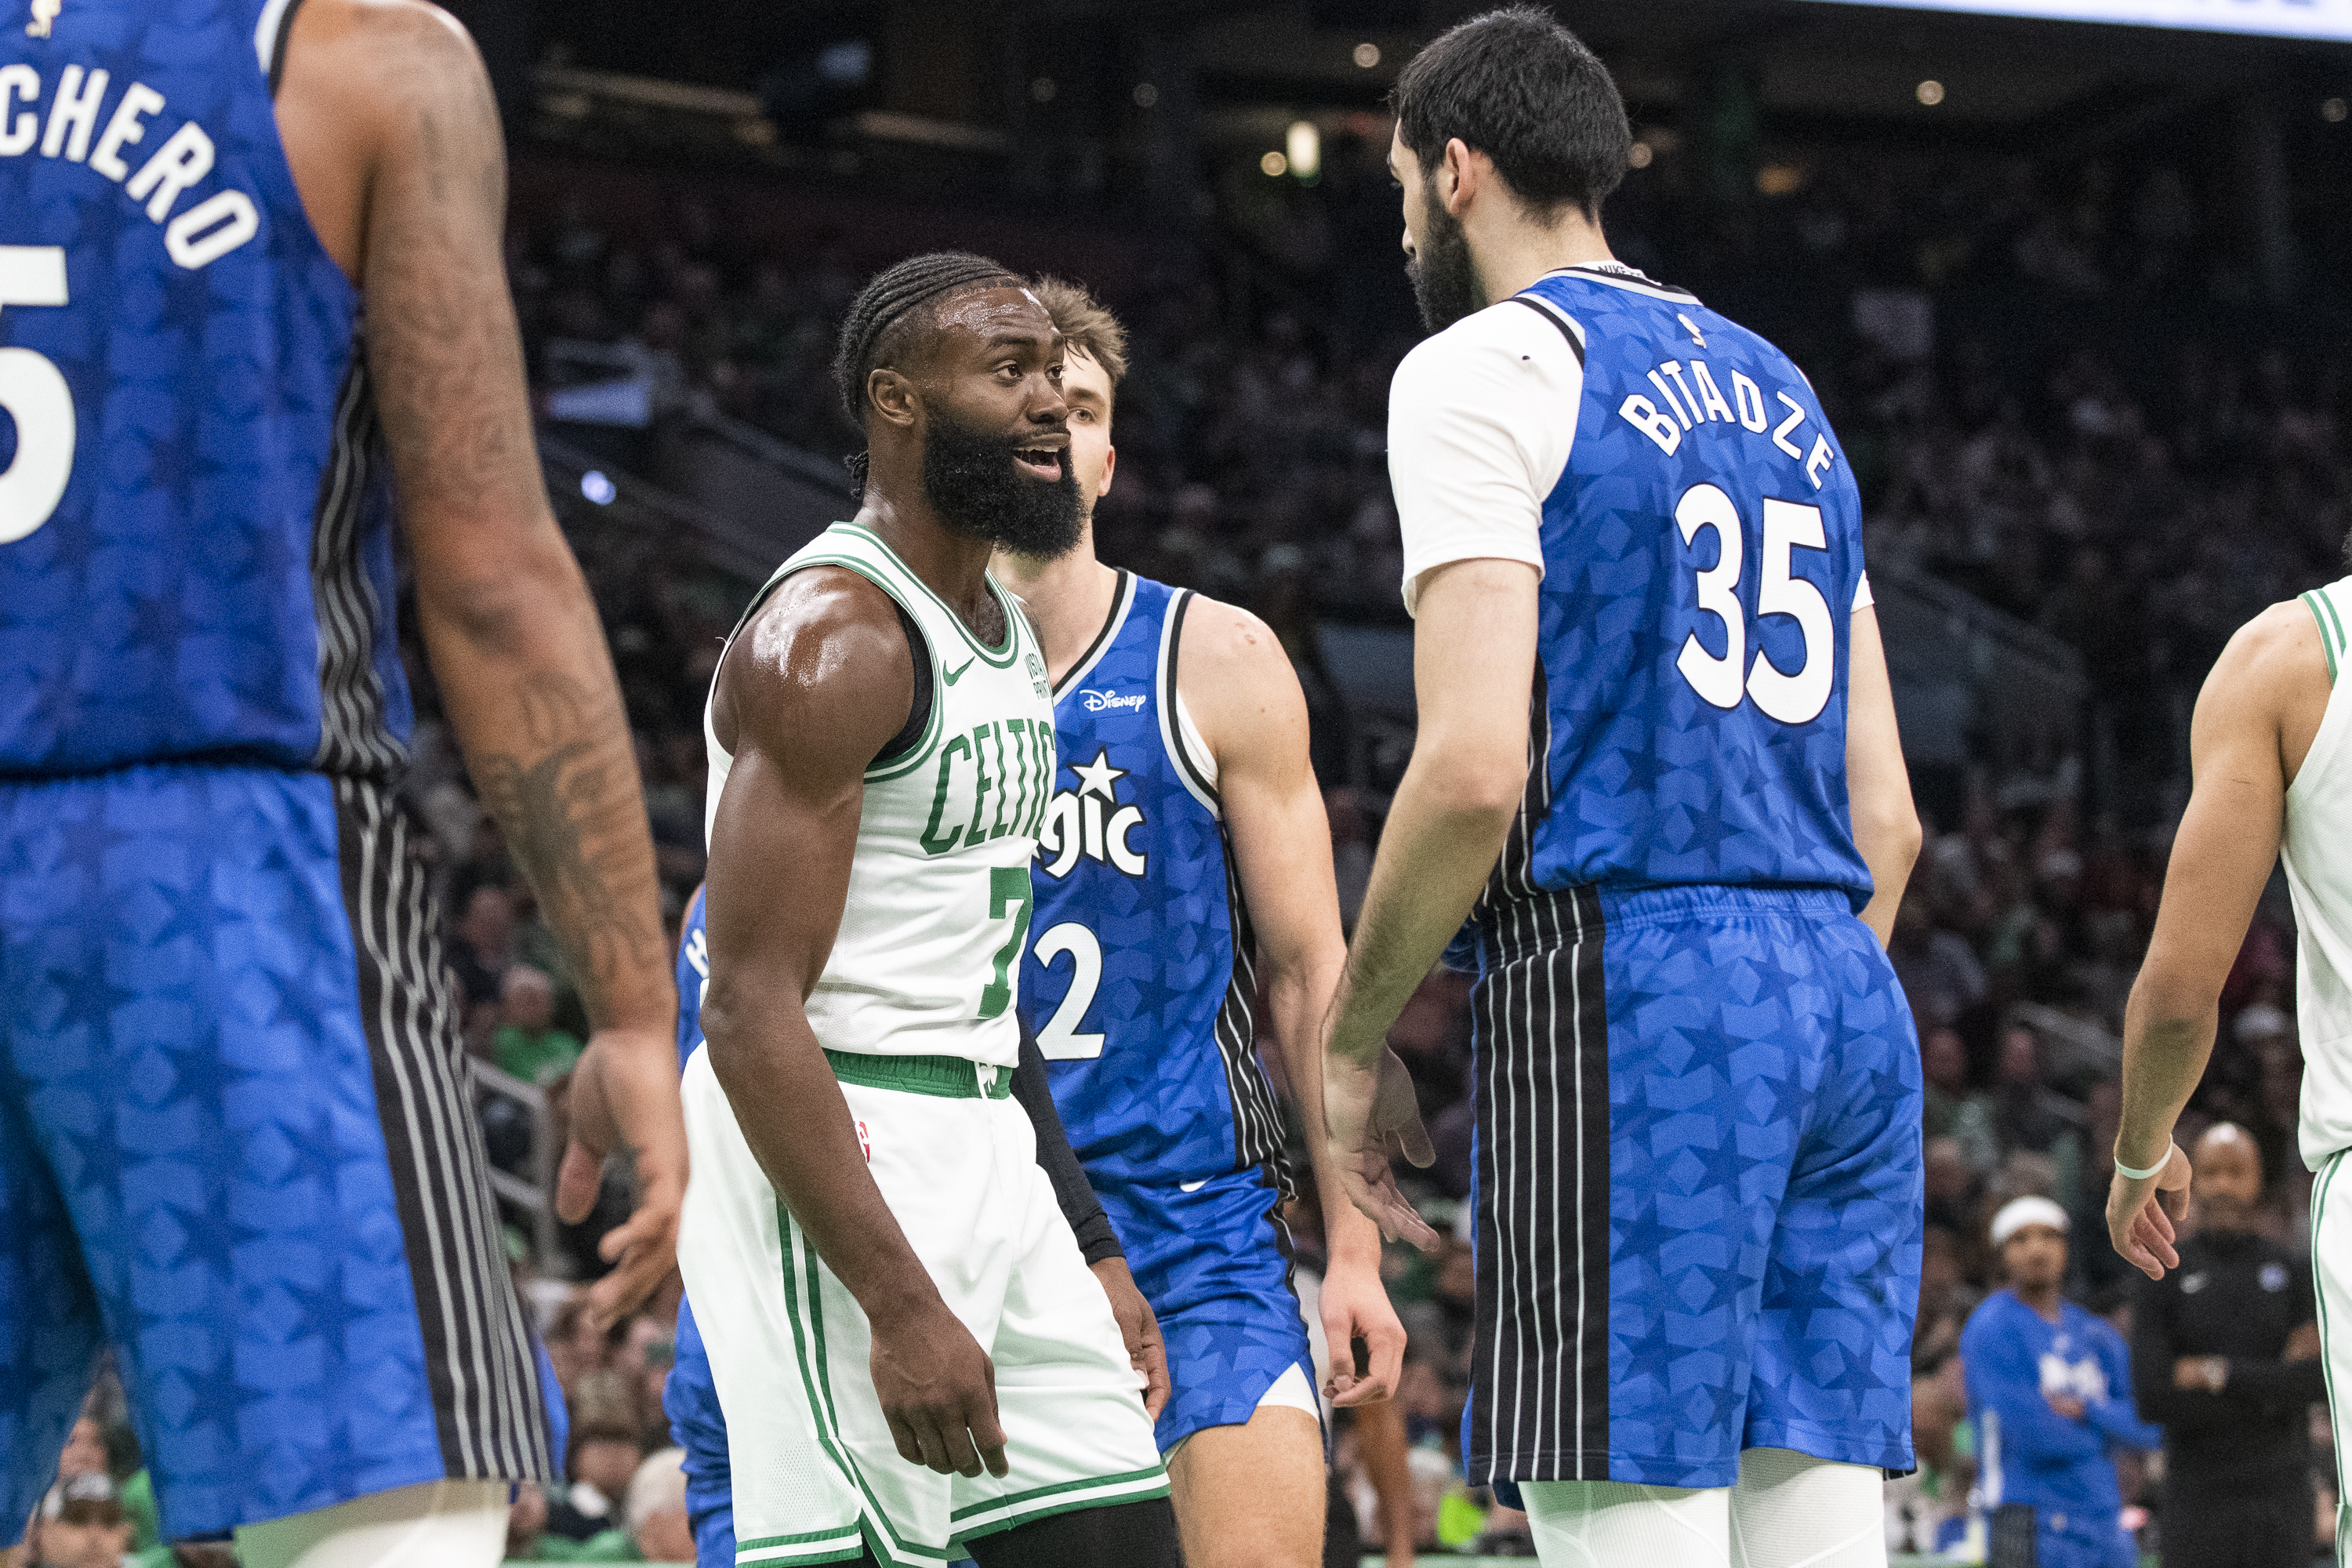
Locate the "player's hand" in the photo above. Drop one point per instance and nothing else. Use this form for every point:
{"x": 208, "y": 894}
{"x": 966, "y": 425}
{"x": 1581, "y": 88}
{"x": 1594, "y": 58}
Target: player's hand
{"x": 1355, "y": 1305}
{"x": 1365, "y": 1110}
{"x": 2142, "y": 1215}
{"x": 624, "y": 1103}
{"x": 938, "y": 1389}
{"x": 1139, "y": 1327}
{"x": 2070, "y": 1405}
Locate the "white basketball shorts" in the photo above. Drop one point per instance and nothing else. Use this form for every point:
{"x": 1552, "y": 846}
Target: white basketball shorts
{"x": 817, "y": 1478}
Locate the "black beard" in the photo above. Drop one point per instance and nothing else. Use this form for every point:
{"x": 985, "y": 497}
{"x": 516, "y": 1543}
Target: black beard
{"x": 1444, "y": 281}
{"x": 971, "y": 481}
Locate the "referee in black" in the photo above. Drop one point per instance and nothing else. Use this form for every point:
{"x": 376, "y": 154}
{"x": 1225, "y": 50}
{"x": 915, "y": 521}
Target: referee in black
{"x": 2225, "y": 1358}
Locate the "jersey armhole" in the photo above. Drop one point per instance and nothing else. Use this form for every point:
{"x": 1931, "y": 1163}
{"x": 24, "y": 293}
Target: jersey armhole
{"x": 918, "y": 709}
{"x": 2322, "y": 607}
{"x": 269, "y": 36}
{"x": 1200, "y": 781}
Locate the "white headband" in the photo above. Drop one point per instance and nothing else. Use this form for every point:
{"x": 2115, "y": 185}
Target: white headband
{"x": 2019, "y": 1213}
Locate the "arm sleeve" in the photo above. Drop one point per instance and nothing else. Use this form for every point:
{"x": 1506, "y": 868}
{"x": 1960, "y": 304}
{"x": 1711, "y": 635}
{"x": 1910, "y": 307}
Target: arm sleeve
{"x": 2003, "y": 1378}
{"x": 1481, "y": 418}
{"x": 2276, "y": 1382}
{"x": 1097, "y": 1240}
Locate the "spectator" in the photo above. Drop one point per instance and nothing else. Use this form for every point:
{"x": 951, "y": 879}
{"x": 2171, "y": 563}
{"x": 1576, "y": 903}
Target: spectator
{"x": 484, "y": 944}
{"x": 80, "y": 1525}
{"x": 655, "y": 1509}
{"x": 528, "y": 1043}
{"x": 2025, "y": 1114}
{"x": 606, "y": 1448}
{"x": 2049, "y": 1388}
{"x": 2225, "y": 1357}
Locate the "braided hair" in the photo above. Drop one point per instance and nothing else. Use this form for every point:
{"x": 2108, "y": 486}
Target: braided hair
{"x": 870, "y": 334}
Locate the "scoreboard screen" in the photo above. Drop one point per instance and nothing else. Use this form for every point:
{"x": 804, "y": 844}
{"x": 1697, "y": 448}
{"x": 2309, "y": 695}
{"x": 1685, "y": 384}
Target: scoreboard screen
{"x": 2278, "y": 18}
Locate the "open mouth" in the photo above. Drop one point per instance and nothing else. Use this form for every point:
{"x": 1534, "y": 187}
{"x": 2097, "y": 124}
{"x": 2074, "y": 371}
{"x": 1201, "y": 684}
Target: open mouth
{"x": 1040, "y": 463}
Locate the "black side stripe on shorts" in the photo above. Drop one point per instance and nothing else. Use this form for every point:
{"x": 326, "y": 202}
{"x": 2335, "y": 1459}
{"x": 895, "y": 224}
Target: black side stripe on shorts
{"x": 488, "y": 1408}
{"x": 1539, "y": 1394}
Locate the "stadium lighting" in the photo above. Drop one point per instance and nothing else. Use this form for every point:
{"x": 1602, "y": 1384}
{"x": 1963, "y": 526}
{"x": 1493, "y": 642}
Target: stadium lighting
{"x": 2332, "y": 110}
{"x": 1303, "y": 145}
{"x": 1275, "y": 165}
{"x": 1368, "y": 55}
{"x": 1640, "y": 154}
{"x": 595, "y": 487}
{"x": 1929, "y": 92}
{"x": 1146, "y": 95}
{"x": 1042, "y": 90}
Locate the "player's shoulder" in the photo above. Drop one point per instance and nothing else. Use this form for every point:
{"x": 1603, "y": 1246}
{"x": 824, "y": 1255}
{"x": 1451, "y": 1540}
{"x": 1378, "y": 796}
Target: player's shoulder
{"x": 826, "y": 639}
{"x": 1505, "y": 342}
{"x": 398, "y": 35}
{"x": 2277, "y": 650}
{"x": 1224, "y": 643}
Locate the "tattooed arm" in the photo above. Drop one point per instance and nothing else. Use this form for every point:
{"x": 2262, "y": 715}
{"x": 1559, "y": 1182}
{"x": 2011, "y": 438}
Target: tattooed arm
{"x": 393, "y": 137}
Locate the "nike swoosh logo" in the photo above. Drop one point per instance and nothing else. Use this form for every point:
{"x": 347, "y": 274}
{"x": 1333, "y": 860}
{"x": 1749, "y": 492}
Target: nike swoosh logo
{"x": 1191, "y": 1186}
{"x": 957, "y": 674}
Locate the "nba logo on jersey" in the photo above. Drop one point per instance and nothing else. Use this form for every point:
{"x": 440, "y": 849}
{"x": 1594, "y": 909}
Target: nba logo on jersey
{"x": 45, "y": 12}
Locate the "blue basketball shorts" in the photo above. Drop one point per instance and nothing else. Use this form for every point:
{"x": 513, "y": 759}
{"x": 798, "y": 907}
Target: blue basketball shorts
{"x": 1214, "y": 1259}
{"x": 237, "y": 1144}
{"x": 1698, "y": 1187}
{"x": 698, "y": 1425}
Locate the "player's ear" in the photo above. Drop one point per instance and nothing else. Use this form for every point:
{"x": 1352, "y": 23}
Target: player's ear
{"x": 892, "y": 394}
{"x": 1458, "y": 175}
{"x": 1110, "y": 467}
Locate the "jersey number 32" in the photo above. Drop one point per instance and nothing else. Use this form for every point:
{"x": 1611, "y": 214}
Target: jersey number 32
{"x": 34, "y": 395}
{"x": 1794, "y": 697}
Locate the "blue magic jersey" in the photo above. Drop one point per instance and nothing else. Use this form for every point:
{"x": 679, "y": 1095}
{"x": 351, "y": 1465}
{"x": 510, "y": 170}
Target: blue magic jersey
{"x": 1702, "y": 551}
{"x": 194, "y": 551}
{"x": 1138, "y": 983}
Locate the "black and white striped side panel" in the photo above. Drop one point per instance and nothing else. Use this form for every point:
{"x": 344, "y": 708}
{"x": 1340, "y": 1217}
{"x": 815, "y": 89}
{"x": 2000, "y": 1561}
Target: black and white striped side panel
{"x": 1539, "y": 1389}
{"x": 1514, "y": 874}
{"x": 1257, "y": 1118}
{"x": 352, "y": 735}
{"x": 487, "y": 1399}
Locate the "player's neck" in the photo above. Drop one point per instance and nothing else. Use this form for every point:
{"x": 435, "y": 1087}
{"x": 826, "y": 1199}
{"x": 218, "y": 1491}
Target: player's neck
{"x": 951, "y": 564}
{"x": 1513, "y": 254}
{"x": 1068, "y": 599}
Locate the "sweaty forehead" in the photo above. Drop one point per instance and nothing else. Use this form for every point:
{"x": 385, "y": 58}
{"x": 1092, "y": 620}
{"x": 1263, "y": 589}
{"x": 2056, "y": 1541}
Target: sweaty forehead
{"x": 1004, "y": 310}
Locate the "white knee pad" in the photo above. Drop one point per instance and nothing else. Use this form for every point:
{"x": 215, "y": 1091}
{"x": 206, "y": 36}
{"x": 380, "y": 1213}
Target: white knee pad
{"x": 436, "y": 1524}
{"x": 1792, "y": 1510}
{"x": 1609, "y": 1524}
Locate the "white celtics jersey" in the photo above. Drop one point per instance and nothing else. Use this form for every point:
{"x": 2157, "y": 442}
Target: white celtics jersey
{"x": 2316, "y": 848}
{"x": 928, "y": 957}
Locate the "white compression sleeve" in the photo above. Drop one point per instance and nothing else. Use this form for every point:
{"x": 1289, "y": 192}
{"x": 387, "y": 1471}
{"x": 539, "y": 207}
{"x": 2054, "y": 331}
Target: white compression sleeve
{"x": 1792, "y": 1510}
{"x": 1606, "y": 1524}
{"x": 436, "y": 1524}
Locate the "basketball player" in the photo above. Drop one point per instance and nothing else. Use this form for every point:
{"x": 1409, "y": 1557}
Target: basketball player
{"x": 1185, "y": 848}
{"x": 2268, "y": 748}
{"x": 236, "y": 1140}
{"x": 1697, "y": 1091}
{"x": 909, "y": 1351}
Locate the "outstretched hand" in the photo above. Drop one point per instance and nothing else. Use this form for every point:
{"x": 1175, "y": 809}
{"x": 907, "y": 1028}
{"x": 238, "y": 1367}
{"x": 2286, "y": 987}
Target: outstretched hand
{"x": 624, "y": 1102}
{"x": 2142, "y": 1215}
{"x": 1366, "y": 1110}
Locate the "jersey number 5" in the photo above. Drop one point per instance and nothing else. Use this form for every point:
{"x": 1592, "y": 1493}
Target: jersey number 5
{"x": 1722, "y": 679}
{"x": 33, "y": 393}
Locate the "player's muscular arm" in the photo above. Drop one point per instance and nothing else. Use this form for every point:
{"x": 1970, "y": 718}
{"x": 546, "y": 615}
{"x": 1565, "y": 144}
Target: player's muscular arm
{"x": 1474, "y": 659}
{"x": 1878, "y": 784}
{"x": 1240, "y": 689}
{"x": 393, "y": 139}
{"x": 2255, "y": 719}
{"x": 814, "y": 688}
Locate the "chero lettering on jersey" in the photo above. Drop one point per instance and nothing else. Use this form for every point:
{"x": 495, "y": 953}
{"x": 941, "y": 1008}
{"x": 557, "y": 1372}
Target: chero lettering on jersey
{"x": 990, "y": 782}
{"x": 1689, "y": 398}
{"x": 1088, "y": 823}
{"x": 78, "y": 129}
